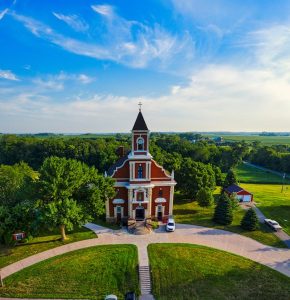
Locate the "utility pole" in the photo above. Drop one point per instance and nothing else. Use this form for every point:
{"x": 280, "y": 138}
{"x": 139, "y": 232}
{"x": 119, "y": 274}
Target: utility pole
{"x": 283, "y": 181}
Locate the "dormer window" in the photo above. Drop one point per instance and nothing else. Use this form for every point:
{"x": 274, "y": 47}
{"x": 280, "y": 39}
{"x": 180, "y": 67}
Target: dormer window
{"x": 140, "y": 144}
{"x": 140, "y": 171}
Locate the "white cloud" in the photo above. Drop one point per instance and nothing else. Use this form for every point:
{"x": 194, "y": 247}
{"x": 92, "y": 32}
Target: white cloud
{"x": 105, "y": 10}
{"x": 3, "y": 13}
{"x": 73, "y": 21}
{"x": 7, "y": 74}
{"x": 127, "y": 42}
{"x": 218, "y": 97}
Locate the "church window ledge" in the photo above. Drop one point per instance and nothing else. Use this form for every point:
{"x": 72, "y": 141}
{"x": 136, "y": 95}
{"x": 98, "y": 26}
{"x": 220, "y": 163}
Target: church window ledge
{"x": 118, "y": 201}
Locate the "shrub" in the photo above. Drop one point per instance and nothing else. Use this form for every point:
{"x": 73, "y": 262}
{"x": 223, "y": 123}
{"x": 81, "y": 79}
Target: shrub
{"x": 250, "y": 220}
{"x": 204, "y": 197}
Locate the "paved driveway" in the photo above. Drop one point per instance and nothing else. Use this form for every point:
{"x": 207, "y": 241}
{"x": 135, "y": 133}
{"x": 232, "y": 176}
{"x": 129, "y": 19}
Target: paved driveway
{"x": 275, "y": 258}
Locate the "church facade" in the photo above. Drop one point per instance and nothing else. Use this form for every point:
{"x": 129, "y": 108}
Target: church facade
{"x": 144, "y": 189}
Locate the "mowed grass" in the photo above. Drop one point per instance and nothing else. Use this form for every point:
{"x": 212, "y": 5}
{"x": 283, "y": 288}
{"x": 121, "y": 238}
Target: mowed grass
{"x": 266, "y": 140}
{"x": 188, "y": 272}
{"x": 46, "y": 241}
{"x": 249, "y": 174}
{"x": 89, "y": 273}
{"x": 189, "y": 212}
{"x": 273, "y": 203}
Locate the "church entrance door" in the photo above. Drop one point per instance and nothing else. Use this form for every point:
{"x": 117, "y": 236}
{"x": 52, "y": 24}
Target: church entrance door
{"x": 140, "y": 213}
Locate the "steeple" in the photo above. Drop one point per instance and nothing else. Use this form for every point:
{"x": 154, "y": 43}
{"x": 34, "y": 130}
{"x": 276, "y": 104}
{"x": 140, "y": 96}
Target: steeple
{"x": 140, "y": 122}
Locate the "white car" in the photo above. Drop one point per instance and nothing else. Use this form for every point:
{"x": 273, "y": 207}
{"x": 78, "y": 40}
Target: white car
{"x": 111, "y": 297}
{"x": 273, "y": 224}
{"x": 170, "y": 226}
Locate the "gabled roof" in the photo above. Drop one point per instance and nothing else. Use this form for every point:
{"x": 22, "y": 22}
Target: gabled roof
{"x": 140, "y": 123}
{"x": 233, "y": 189}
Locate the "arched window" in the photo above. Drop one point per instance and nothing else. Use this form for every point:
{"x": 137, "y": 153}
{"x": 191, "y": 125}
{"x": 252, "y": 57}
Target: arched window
{"x": 140, "y": 144}
{"x": 140, "y": 171}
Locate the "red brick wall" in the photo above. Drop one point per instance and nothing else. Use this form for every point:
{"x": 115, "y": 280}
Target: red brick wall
{"x": 165, "y": 195}
{"x": 157, "y": 172}
{"x": 122, "y": 194}
{"x": 123, "y": 172}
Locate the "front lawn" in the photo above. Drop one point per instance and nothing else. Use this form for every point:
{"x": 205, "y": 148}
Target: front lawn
{"x": 189, "y": 212}
{"x": 188, "y": 272}
{"x": 45, "y": 241}
{"x": 273, "y": 203}
{"x": 89, "y": 273}
{"x": 249, "y": 174}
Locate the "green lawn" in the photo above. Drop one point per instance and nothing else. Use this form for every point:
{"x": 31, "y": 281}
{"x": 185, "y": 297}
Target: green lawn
{"x": 248, "y": 174}
{"x": 189, "y": 212}
{"x": 38, "y": 244}
{"x": 274, "y": 204}
{"x": 266, "y": 140}
{"x": 188, "y": 272}
{"x": 89, "y": 273}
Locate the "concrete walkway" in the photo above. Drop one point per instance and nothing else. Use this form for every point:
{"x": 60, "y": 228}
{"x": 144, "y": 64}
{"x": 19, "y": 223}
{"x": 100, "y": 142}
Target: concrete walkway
{"x": 275, "y": 258}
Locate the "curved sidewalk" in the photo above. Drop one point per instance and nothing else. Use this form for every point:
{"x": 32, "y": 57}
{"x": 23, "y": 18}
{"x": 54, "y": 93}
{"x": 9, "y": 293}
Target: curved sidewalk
{"x": 275, "y": 258}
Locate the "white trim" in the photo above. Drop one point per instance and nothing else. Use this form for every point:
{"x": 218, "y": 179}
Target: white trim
{"x": 160, "y": 200}
{"x": 118, "y": 201}
{"x": 162, "y": 209}
{"x": 117, "y": 168}
{"x": 115, "y": 211}
{"x": 171, "y": 200}
{"x": 137, "y": 148}
{"x": 107, "y": 209}
{"x": 164, "y": 171}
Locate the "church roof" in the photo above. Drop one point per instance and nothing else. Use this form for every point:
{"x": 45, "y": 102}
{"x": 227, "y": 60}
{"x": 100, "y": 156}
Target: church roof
{"x": 140, "y": 123}
{"x": 117, "y": 164}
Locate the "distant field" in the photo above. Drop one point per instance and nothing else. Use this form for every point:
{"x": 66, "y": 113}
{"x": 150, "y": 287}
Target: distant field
{"x": 248, "y": 174}
{"x": 273, "y": 203}
{"x": 267, "y": 140}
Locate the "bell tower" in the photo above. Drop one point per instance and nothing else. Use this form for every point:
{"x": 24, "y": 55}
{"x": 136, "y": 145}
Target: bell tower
{"x": 140, "y": 137}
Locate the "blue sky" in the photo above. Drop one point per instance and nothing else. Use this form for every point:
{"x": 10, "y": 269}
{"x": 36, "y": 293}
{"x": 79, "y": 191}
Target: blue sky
{"x": 197, "y": 65}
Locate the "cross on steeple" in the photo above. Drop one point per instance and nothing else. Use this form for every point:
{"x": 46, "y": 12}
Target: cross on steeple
{"x": 140, "y": 104}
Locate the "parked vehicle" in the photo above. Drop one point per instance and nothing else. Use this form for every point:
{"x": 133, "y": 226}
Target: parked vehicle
{"x": 111, "y": 297}
{"x": 130, "y": 296}
{"x": 170, "y": 226}
{"x": 273, "y": 224}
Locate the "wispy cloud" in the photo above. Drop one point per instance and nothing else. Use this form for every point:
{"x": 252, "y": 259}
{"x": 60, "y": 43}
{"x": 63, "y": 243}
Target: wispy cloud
{"x": 270, "y": 47}
{"x": 7, "y": 74}
{"x": 3, "y": 13}
{"x": 130, "y": 43}
{"x": 73, "y": 21}
{"x": 105, "y": 10}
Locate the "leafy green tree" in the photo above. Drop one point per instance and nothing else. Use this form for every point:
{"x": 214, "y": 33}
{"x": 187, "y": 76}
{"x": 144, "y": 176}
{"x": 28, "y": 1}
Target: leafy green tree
{"x": 204, "y": 197}
{"x": 250, "y": 220}
{"x": 16, "y": 183}
{"x": 218, "y": 176}
{"x": 230, "y": 179}
{"x": 193, "y": 176}
{"x": 223, "y": 213}
{"x": 71, "y": 193}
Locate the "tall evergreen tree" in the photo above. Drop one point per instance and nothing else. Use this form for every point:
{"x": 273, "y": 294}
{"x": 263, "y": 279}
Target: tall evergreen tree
{"x": 231, "y": 178}
{"x": 223, "y": 213}
{"x": 250, "y": 220}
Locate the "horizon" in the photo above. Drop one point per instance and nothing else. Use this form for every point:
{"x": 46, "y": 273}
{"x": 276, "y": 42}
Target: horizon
{"x": 196, "y": 65}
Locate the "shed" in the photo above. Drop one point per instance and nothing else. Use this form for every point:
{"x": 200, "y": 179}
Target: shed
{"x": 241, "y": 194}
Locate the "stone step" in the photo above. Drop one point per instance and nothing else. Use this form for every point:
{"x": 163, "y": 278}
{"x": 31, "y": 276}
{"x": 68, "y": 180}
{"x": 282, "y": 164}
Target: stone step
{"x": 145, "y": 280}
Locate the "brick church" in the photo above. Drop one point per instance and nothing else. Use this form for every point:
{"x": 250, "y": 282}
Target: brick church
{"x": 143, "y": 188}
